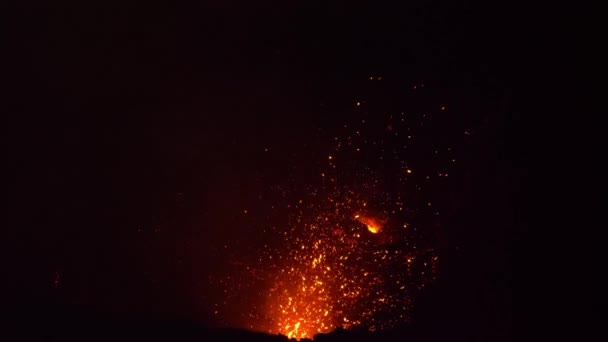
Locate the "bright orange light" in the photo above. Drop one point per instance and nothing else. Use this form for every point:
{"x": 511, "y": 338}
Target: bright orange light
{"x": 301, "y": 303}
{"x": 374, "y": 225}
{"x": 373, "y": 229}
{"x": 294, "y": 332}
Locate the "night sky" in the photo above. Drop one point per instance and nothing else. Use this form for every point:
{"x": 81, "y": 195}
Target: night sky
{"x": 162, "y": 156}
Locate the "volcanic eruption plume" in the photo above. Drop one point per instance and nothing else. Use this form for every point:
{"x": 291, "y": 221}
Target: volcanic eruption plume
{"x": 359, "y": 240}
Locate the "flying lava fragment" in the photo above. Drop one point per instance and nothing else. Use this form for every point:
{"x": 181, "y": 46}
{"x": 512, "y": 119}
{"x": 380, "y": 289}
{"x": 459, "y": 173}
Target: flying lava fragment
{"x": 373, "y": 225}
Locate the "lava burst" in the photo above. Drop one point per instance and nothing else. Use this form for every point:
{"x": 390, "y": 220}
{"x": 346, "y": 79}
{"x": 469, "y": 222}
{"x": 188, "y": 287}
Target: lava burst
{"x": 349, "y": 258}
{"x": 359, "y": 242}
{"x": 341, "y": 271}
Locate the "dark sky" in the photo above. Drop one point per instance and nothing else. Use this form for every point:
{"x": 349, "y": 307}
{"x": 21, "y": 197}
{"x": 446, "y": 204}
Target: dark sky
{"x": 134, "y": 131}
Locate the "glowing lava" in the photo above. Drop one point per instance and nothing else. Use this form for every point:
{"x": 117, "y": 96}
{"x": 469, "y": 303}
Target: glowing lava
{"x": 335, "y": 276}
{"x": 352, "y": 248}
{"x": 374, "y": 225}
{"x": 294, "y": 332}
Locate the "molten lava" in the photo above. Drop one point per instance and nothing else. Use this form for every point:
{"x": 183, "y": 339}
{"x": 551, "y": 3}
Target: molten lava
{"x": 334, "y": 275}
{"x": 373, "y": 224}
{"x": 353, "y": 247}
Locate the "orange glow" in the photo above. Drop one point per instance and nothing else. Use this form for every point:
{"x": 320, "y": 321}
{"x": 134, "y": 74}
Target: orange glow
{"x": 322, "y": 282}
{"x": 373, "y": 224}
{"x": 294, "y": 332}
{"x": 303, "y": 301}
{"x": 344, "y": 236}
{"x": 373, "y": 229}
